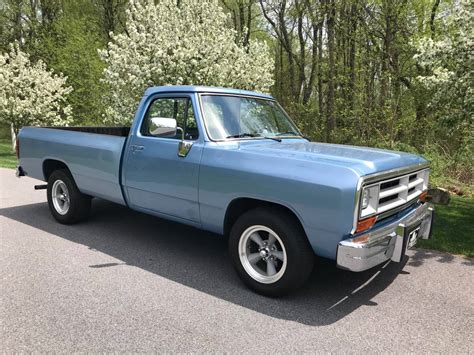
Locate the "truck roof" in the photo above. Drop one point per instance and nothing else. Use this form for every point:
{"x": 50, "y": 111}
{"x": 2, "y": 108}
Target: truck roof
{"x": 202, "y": 89}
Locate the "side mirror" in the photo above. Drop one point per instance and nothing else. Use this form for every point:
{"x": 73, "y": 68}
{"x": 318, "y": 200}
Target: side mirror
{"x": 163, "y": 127}
{"x": 184, "y": 146}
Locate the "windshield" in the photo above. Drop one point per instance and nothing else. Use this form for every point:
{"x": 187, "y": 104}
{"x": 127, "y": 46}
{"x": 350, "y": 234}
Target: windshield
{"x": 245, "y": 117}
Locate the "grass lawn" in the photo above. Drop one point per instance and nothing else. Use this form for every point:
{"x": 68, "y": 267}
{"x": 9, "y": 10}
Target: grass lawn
{"x": 453, "y": 228}
{"x": 7, "y": 156}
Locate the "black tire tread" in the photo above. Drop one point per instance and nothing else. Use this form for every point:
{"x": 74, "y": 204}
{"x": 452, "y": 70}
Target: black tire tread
{"x": 299, "y": 251}
{"x": 80, "y": 203}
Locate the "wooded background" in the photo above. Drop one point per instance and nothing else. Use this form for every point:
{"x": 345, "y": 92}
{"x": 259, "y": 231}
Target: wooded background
{"x": 395, "y": 74}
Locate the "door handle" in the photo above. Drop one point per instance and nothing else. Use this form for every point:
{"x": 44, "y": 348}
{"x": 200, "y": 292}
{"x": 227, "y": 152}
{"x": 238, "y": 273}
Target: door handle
{"x": 183, "y": 148}
{"x": 136, "y": 148}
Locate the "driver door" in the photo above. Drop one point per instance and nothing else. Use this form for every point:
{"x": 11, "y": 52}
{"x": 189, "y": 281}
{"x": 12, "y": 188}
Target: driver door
{"x": 157, "y": 178}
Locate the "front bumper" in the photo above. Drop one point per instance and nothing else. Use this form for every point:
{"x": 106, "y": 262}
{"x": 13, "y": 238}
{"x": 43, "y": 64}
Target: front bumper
{"x": 388, "y": 242}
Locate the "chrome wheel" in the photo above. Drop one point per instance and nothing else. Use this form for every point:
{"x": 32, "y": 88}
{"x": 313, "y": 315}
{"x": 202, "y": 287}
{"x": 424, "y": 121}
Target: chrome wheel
{"x": 262, "y": 254}
{"x": 60, "y": 197}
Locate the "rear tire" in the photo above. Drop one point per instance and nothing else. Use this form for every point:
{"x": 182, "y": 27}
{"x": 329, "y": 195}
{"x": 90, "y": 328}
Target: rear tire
{"x": 66, "y": 203}
{"x": 270, "y": 251}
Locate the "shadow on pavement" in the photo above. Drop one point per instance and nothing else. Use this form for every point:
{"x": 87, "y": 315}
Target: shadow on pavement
{"x": 199, "y": 260}
{"x": 420, "y": 255}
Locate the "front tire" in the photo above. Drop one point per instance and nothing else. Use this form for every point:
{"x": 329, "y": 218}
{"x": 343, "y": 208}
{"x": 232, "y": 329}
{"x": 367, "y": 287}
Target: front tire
{"x": 270, "y": 251}
{"x": 66, "y": 203}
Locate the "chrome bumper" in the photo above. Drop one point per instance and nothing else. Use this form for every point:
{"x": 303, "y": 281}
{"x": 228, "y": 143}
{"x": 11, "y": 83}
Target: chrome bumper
{"x": 388, "y": 242}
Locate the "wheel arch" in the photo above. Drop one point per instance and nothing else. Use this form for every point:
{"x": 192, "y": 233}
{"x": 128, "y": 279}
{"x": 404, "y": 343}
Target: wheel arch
{"x": 51, "y": 165}
{"x": 240, "y": 205}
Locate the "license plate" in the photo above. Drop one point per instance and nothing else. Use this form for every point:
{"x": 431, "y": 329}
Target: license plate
{"x": 413, "y": 237}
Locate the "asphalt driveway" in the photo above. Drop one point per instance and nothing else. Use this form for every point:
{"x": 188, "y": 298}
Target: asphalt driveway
{"x": 124, "y": 281}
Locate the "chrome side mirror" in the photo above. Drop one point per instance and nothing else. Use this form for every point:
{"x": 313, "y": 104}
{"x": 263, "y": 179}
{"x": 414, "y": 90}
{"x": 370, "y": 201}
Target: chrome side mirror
{"x": 168, "y": 127}
{"x": 163, "y": 127}
{"x": 184, "y": 146}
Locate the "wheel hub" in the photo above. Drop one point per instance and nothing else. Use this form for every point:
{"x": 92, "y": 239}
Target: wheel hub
{"x": 60, "y": 198}
{"x": 265, "y": 253}
{"x": 262, "y": 254}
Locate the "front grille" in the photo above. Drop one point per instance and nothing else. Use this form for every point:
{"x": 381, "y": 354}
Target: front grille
{"x": 401, "y": 190}
{"x": 388, "y": 199}
{"x": 386, "y": 185}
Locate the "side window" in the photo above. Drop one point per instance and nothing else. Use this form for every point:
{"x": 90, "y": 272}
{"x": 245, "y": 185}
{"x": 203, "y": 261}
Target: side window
{"x": 180, "y": 109}
{"x": 191, "y": 132}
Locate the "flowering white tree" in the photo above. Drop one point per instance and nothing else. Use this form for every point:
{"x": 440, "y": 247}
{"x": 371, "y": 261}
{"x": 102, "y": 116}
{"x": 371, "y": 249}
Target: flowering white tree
{"x": 448, "y": 65}
{"x": 179, "y": 43}
{"x": 29, "y": 93}
{"x": 448, "y": 61}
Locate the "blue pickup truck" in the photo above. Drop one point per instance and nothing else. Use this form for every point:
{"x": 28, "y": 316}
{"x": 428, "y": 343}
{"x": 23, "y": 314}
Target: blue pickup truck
{"x": 232, "y": 162}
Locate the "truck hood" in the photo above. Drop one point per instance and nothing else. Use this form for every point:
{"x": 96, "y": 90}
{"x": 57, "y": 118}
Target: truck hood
{"x": 362, "y": 160}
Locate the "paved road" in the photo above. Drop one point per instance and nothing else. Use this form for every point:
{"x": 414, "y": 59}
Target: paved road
{"x": 124, "y": 281}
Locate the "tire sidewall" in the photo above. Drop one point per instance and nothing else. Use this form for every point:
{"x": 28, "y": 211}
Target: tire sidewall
{"x": 288, "y": 231}
{"x": 74, "y": 196}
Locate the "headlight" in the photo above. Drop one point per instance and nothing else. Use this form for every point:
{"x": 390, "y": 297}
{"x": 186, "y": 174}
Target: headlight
{"x": 365, "y": 198}
{"x": 369, "y": 200}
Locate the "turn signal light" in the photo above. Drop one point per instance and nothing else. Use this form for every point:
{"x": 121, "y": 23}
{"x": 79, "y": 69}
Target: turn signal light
{"x": 423, "y": 196}
{"x": 366, "y": 224}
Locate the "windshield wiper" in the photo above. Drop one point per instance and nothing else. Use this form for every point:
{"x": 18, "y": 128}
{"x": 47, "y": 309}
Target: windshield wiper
{"x": 243, "y": 135}
{"x": 272, "y": 138}
{"x": 252, "y": 135}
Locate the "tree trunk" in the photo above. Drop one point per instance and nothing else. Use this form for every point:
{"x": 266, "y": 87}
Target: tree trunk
{"x": 17, "y": 25}
{"x": 320, "y": 71}
{"x": 432, "y": 17}
{"x": 302, "y": 57}
{"x": 13, "y": 132}
{"x": 291, "y": 62}
{"x": 249, "y": 24}
{"x": 109, "y": 18}
{"x": 352, "y": 50}
{"x": 284, "y": 38}
{"x": 331, "y": 119}
{"x": 314, "y": 65}
{"x": 387, "y": 44}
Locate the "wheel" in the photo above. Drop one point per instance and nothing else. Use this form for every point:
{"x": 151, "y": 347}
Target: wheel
{"x": 66, "y": 203}
{"x": 270, "y": 251}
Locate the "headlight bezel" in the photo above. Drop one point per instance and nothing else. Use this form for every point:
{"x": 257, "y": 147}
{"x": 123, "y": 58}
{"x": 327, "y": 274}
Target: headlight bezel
{"x": 372, "y": 194}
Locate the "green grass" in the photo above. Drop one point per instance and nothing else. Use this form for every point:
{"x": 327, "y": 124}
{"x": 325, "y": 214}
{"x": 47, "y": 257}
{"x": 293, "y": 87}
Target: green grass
{"x": 7, "y": 156}
{"x": 453, "y": 229}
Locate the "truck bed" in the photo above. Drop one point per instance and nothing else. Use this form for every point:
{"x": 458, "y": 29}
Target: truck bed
{"x": 112, "y": 131}
{"x": 92, "y": 154}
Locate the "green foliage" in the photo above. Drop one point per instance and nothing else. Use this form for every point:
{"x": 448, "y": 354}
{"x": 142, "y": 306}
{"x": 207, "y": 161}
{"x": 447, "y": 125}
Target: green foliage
{"x": 70, "y": 46}
{"x": 7, "y": 156}
{"x": 389, "y": 74}
{"x": 452, "y": 231}
{"x": 398, "y": 75}
{"x": 448, "y": 68}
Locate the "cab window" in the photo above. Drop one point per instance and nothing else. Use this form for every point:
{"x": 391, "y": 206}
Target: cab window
{"x": 180, "y": 109}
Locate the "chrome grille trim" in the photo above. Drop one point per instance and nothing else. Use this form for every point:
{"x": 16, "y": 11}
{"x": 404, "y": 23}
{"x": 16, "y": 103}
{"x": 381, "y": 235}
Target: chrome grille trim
{"x": 395, "y": 210}
{"x": 399, "y": 190}
{"x": 387, "y": 174}
{"x": 381, "y": 177}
